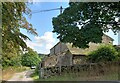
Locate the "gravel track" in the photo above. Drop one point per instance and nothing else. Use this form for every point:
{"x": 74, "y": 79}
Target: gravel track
{"x": 22, "y": 76}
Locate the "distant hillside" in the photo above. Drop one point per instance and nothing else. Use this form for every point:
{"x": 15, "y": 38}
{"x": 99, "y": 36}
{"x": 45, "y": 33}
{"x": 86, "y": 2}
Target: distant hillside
{"x": 41, "y": 55}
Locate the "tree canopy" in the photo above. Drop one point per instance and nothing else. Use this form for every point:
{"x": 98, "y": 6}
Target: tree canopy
{"x": 84, "y": 22}
{"x": 13, "y": 19}
{"x": 31, "y": 58}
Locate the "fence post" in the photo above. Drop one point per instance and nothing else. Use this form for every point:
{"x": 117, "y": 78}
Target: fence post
{"x": 41, "y": 73}
{"x": 60, "y": 69}
{"x": 60, "y": 65}
{"x": 118, "y": 70}
{"x": 90, "y": 69}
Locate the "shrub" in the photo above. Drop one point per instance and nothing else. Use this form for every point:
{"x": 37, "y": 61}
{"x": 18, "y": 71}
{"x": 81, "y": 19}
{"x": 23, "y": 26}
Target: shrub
{"x": 37, "y": 69}
{"x": 118, "y": 50}
{"x": 30, "y": 59}
{"x": 102, "y": 54}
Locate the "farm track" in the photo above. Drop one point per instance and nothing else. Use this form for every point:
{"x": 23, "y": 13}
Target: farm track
{"x": 22, "y": 76}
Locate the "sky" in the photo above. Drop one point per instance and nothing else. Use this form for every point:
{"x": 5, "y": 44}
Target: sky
{"x": 42, "y": 22}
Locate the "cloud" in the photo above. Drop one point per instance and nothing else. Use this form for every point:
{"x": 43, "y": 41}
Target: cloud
{"x": 32, "y": 44}
{"x": 47, "y": 38}
{"x": 42, "y": 44}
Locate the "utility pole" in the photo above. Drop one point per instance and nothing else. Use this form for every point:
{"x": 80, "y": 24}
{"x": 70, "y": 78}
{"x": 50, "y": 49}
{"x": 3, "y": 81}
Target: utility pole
{"x": 60, "y": 57}
{"x": 61, "y": 10}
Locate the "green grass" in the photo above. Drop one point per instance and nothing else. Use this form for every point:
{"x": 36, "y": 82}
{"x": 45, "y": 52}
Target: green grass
{"x": 78, "y": 77}
{"x": 21, "y": 76}
{"x": 113, "y": 76}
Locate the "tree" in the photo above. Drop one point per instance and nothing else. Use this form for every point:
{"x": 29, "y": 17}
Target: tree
{"x": 102, "y": 54}
{"x": 82, "y": 23}
{"x": 31, "y": 58}
{"x": 13, "y": 19}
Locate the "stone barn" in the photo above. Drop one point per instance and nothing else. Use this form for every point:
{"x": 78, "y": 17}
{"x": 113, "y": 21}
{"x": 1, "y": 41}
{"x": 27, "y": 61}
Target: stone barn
{"x": 64, "y": 54}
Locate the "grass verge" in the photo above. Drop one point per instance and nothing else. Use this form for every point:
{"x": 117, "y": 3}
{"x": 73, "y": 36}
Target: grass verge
{"x": 78, "y": 77}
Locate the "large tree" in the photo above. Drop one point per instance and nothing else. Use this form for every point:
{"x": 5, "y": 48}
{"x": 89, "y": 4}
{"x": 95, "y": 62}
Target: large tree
{"x": 84, "y": 22}
{"x": 13, "y": 19}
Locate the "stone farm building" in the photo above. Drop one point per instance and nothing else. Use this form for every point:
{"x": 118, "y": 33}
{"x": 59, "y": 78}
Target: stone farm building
{"x": 63, "y": 54}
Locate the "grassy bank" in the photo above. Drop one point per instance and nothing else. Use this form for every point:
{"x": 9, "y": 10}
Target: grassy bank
{"x": 83, "y": 76}
{"x": 8, "y": 72}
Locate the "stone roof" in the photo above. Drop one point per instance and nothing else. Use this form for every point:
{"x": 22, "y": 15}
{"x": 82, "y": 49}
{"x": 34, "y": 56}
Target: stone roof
{"x": 118, "y": 45}
{"x": 81, "y": 51}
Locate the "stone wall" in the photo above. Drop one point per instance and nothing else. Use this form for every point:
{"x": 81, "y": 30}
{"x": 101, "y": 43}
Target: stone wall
{"x": 59, "y": 60}
{"x": 79, "y": 59}
{"x": 50, "y": 61}
{"x": 58, "y": 49}
{"x": 65, "y": 59}
{"x": 106, "y": 40}
{"x": 91, "y": 69}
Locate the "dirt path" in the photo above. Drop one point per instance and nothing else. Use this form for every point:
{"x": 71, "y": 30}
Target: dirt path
{"x": 22, "y": 76}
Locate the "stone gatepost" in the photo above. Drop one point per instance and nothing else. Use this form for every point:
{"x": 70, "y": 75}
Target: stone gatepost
{"x": 41, "y": 73}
